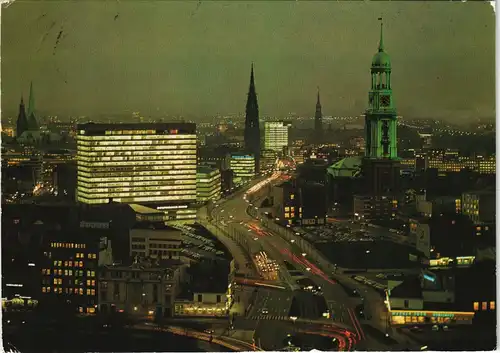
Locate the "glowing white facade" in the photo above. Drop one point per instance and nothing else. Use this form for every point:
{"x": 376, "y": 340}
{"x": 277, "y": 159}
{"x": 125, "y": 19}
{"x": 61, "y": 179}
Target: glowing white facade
{"x": 276, "y": 135}
{"x": 153, "y": 164}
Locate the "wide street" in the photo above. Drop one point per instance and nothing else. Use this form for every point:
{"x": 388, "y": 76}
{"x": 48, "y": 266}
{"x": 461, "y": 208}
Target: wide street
{"x": 260, "y": 233}
{"x": 232, "y": 215}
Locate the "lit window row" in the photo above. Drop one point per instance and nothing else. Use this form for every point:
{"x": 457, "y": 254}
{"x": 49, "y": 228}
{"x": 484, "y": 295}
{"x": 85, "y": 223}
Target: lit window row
{"x": 137, "y": 169}
{"x": 59, "y": 263}
{"x": 129, "y": 143}
{"x": 137, "y": 183}
{"x": 136, "y": 199}
{"x": 91, "y": 283}
{"x": 484, "y": 306}
{"x": 139, "y": 175}
{"x": 68, "y": 245}
{"x": 140, "y": 157}
{"x": 135, "y": 137}
{"x": 169, "y": 193}
{"x": 139, "y": 188}
{"x": 136, "y": 151}
{"x": 171, "y": 160}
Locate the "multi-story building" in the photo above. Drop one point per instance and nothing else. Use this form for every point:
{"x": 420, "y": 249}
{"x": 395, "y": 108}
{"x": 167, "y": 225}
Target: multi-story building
{"x": 158, "y": 243}
{"x": 479, "y": 206}
{"x": 276, "y": 135}
{"x": 144, "y": 288}
{"x": 368, "y": 207}
{"x": 285, "y": 202}
{"x": 69, "y": 274}
{"x": 446, "y": 161}
{"x": 312, "y": 205}
{"x": 208, "y": 184}
{"x": 268, "y": 160}
{"x": 148, "y": 164}
{"x": 243, "y": 166}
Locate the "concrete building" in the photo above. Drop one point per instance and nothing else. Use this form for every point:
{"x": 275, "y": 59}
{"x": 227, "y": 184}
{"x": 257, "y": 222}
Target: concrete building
{"x": 276, "y": 135}
{"x": 158, "y": 243}
{"x": 142, "y": 289}
{"x": 148, "y": 164}
{"x": 208, "y": 184}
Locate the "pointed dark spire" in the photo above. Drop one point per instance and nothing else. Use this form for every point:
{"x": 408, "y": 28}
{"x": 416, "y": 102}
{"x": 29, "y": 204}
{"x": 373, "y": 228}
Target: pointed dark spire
{"x": 252, "y": 130}
{"x": 252, "y": 80}
{"x": 22, "y": 122}
{"x": 318, "y": 121}
{"x": 381, "y": 43}
{"x": 31, "y": 102}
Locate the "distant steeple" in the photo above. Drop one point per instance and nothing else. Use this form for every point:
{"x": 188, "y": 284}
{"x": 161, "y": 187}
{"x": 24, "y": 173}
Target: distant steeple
{"x": 318, "y": 120}
{"x": 32, "y": 123}
{"x": 252, "y": 129}
{"x": 22, "y": 122}
{"x": 31, "y": 102}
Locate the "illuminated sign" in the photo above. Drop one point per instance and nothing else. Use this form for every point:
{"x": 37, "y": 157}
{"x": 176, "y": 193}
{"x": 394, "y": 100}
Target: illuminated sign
{"x": 430, "y": 278}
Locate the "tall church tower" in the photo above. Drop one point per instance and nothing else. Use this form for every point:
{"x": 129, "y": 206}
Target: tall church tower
{"x": 22, "y": 122}
{"x": 32, "y": 122}
{"x": 381, "y": 166}
{"x": 318, "y": 121}
{"x": 252, "y": 129}
{"x": 380, "y": 117}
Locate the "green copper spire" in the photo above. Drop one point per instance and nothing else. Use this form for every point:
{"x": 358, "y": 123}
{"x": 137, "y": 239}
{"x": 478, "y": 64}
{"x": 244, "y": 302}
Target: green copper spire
{"x": 381, "y": 44}
{"x": 31, "y": 102}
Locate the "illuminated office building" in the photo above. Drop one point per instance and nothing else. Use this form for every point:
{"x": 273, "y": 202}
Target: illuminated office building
{"x": 149, "y": 164}
{"x": 208, "y": 184}
{"x": 276, "y": 135}
{"x": 243, "y": 167}
{"x": 69, "y": 274}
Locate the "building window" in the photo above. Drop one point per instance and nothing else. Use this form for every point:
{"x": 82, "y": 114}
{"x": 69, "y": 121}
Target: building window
{"x": 406, "y": 303}
{"x": 492, "y": 305}
{"x": 476, "y": 306}
{"x": 200, "y": 298}
{"x": 218, "y": 298}
{"x": 484, "y": 306}
{"x": 292, "y": 196}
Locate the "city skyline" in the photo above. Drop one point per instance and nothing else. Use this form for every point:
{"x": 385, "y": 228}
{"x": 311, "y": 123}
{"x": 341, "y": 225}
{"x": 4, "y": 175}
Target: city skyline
{"x": 201, "y": 69}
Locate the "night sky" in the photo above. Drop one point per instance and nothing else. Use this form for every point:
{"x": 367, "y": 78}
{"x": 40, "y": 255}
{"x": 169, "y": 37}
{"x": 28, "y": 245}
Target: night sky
{"x": 191, "y": 59}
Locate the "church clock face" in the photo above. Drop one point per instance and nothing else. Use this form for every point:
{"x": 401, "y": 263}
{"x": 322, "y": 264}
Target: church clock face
{"x": 385, "y": 101}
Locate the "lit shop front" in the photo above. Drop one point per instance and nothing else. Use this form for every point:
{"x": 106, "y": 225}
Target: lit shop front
{"x": 448, "y": 262}
{"x": 416, "y": 317}
{"x": 200, "y": 309}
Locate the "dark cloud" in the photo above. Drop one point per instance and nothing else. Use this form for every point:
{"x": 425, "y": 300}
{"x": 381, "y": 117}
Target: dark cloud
{"x": 192, "y": 59}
